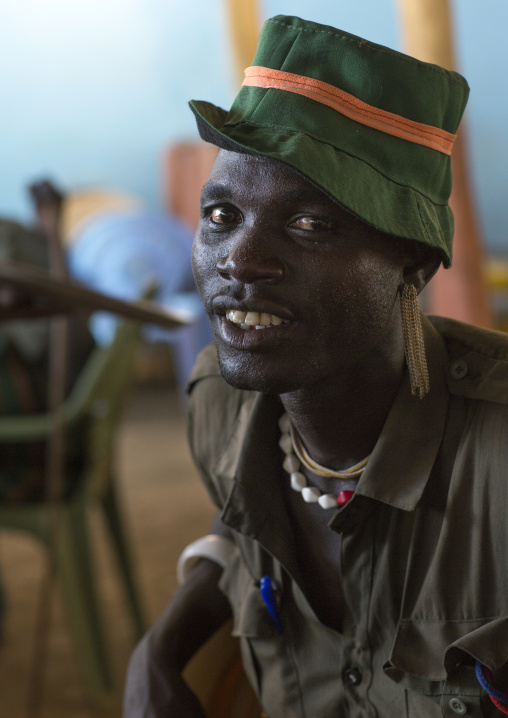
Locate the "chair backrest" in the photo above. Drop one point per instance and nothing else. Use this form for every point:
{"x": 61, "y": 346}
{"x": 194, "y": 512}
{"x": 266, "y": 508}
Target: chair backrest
{"x": 96, "y": 401}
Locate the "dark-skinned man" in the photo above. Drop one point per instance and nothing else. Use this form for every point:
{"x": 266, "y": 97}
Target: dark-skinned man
{"x": 355, "y": 449}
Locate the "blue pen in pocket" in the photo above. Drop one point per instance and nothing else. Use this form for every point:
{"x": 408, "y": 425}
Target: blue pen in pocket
{"x": 268, "y": 596}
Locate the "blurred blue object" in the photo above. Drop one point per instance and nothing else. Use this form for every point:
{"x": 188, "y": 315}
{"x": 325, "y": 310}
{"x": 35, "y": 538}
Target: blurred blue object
{"x": 121, "y": 254}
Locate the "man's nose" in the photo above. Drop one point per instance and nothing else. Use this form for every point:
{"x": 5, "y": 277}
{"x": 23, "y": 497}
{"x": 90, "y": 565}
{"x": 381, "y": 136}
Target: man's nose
{"x": 251, "y": 261}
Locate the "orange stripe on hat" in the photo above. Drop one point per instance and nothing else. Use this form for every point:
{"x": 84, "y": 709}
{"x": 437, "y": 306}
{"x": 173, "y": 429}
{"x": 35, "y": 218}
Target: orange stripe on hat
{"x": 352, "y": 107}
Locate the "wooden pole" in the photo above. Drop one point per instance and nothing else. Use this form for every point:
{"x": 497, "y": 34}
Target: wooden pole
{"x": 245, "y": 24}
{"x": 460, "y": 292}
{"x": 427, "y": 31}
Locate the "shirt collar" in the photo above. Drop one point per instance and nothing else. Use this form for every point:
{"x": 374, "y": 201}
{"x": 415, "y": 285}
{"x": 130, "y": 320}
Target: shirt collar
{"x": 252, "y": 460}
{"x": 401, "y": 462}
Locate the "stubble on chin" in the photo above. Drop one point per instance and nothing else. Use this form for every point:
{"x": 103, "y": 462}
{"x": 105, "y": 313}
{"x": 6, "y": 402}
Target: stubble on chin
{"x": 244, "y": 373}
{"x": 238, "y": 373}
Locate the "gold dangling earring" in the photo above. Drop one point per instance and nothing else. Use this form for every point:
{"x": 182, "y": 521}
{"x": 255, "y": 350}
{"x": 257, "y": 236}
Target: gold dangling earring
{"x": 413, "y": 341}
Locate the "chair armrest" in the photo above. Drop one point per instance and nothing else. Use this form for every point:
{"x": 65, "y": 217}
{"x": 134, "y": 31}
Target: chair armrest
{"x": 18, "y": 429}
{"x": 27, "y": 428}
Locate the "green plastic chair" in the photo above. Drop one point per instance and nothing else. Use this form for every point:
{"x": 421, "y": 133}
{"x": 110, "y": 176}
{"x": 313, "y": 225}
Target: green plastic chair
{"x": 96, "y": 401}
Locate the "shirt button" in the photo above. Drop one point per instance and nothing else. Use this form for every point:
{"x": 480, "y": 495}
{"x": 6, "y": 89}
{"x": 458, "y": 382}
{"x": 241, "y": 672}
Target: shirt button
{"x": 458, "y": 706}
{"x": 458, "y": 369}
{"x": 352, "y": 676}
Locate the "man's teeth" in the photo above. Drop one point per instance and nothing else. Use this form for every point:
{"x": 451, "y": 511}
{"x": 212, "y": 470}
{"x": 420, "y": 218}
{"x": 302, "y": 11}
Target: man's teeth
{"x": 254, "y": 320}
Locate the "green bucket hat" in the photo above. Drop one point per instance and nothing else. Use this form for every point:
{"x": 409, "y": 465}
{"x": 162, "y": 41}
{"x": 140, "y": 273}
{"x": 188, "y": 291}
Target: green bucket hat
{"x": 371, "y": 127}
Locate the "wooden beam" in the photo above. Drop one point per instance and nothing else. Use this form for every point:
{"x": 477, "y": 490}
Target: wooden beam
{"x": 54, "y": 296}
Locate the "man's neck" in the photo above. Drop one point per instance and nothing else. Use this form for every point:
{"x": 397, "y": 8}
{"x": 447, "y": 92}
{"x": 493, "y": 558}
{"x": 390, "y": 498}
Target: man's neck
{"x": 339, "y": 421}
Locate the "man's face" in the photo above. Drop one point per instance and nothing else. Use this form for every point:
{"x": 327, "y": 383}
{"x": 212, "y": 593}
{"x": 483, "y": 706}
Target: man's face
{"x": 273, "y": 251}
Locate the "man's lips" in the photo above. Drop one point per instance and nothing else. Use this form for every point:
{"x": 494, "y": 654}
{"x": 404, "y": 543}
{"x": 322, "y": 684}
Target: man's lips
{"x": 245, "y": 337}
{"x": 251, "y": 325}
{"x": 252, "y": 313}
{"x": 254, "y": 320}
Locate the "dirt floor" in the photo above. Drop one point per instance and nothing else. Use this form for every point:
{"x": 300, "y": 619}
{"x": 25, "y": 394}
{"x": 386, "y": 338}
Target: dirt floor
{"x": 165, "y": 507}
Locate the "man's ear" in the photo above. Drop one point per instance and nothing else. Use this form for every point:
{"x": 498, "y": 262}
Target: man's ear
{"x": 420, "y": 273}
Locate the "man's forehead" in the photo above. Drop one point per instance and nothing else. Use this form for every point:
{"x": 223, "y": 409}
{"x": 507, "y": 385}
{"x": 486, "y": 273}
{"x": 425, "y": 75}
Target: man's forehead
{"x": 251, "y": 162}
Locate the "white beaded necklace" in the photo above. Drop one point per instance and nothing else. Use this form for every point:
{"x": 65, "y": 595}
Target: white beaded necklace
{"x": 296, "y": 455}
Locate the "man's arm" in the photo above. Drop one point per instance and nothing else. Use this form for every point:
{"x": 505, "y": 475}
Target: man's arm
{"x": 155, "y": 687}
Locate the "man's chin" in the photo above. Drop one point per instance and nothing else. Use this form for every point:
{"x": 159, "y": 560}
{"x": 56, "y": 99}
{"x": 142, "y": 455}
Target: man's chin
{"x": 244, "y": 374}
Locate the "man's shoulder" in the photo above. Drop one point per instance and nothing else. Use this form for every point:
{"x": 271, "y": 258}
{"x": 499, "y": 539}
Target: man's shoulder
{"x": 478, "y": 366}
{"x": 215, "y": 407}
{"x": 460, "y": 336}
{"x": 206, "y": 379}
{"x": 207, "y": 365}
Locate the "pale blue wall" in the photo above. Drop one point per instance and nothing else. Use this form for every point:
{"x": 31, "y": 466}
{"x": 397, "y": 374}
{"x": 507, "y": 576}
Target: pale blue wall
{"x": 92, "y": 91}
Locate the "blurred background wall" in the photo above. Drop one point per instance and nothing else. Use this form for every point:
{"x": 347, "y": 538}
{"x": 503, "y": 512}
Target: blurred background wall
{"x": 92, "y": 92}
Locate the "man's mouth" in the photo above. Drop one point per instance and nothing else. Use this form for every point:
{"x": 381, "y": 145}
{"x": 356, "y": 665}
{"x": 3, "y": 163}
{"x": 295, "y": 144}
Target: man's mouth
{"x": 254, "y": 320}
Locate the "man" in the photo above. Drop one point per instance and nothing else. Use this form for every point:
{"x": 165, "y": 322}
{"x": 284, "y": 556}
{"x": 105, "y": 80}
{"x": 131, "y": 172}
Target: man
{"x": 380, "y": 589}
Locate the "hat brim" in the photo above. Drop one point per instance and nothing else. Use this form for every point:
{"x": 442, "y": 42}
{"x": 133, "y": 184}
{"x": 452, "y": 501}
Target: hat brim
{"x": 392, "y": 208}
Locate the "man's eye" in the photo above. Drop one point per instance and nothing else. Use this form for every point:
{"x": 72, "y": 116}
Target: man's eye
{"x": 224, "y": 215}
{"x": 312, "y": 224}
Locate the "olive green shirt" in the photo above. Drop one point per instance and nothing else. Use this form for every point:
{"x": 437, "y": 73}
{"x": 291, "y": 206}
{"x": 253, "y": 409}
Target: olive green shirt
{"x": 424, "y": 542}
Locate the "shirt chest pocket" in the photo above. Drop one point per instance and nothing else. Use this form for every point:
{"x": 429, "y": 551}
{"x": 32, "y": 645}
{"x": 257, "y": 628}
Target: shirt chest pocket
{"x": 250, "y": 615}
{"x": 259, "y": 642}
{"x": 434, "y": 662}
